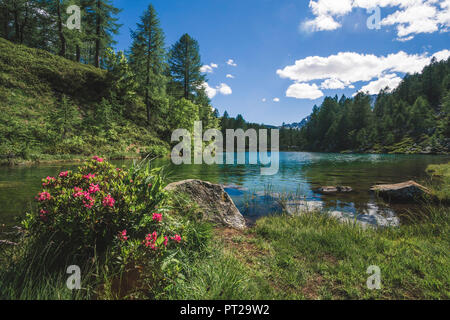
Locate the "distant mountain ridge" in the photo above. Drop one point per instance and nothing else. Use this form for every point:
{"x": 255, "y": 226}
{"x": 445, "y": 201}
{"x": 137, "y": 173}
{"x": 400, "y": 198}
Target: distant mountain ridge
{"x": 296, "y": 125}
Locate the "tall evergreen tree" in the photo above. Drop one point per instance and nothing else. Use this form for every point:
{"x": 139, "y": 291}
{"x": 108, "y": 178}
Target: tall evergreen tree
{"x": 185, "y": 64}
{"x": 147, "y": 58}
{"x": 102, "y": 26}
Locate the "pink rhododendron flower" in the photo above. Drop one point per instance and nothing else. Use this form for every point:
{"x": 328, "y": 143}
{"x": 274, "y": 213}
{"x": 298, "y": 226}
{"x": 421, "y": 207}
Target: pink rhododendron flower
{"x": 43, "y": 196}
{"x": 150, "y": 240}
{"x": 166, "y": 240}
{"x": 157, "y": 217}
{"x": 64, "y": 174}
{"x": 176, "y": 238}
{"x": 49, "y": 180}
{"x": 89, "y": 176}
{"x": 98, "y": 159}
{"x": 123, "y": 236}
{"x": 109, "y": 201}
{"x": 43, "y": 211}
{"x": 94, "y": 188}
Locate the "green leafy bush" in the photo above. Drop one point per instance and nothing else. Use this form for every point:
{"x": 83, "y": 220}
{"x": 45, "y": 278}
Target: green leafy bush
{"x": 100, "y": 205}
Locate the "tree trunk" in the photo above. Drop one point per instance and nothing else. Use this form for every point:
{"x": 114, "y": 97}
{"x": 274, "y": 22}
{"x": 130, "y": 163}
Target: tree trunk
{"x": 62, "y": 39}
{"x": 98, "y": 35}
{"x": 147, "y": 80}
{"x": 6, "y": 23}
{"x": 78, "y": 53}
{"x": 16, "y": 24}
{"x": 186, "y": 72}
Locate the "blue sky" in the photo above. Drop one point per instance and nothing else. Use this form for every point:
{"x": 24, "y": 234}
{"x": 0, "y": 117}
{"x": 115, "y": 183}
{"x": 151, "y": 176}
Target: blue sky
{"x": 335, "y": 51}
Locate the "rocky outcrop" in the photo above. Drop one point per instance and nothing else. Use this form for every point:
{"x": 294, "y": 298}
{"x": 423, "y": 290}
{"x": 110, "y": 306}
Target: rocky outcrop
{"x": 333, "y": 189}
{"x": 405, "y": 191}
{"x": 216, "y": 204}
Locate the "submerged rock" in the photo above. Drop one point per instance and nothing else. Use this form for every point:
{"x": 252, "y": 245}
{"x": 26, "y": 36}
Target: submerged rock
{"x": 301, "y": 206}
{"x": 216, "y": 204}
{"x": 333, "y": 189}
{"x": 405, "y": 191}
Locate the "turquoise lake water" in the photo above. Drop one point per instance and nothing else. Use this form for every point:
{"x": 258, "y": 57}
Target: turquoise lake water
{"x": 300, "y": 173}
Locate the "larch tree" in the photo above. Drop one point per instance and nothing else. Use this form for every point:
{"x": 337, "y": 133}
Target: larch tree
{"x": 147, "y": 59}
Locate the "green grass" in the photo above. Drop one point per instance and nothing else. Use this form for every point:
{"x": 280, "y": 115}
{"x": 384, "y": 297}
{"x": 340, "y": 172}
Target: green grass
{"x": 440, "y": 175}
{"x": 316, "y": 257}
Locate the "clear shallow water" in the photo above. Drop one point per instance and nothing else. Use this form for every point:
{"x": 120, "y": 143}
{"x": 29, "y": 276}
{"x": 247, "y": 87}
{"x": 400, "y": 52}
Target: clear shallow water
{"x": 299, "y": 175}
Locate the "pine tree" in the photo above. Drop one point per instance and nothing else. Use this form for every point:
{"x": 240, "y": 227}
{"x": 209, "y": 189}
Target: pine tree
{"x": 185, "y": 64}
{"x": 147, "y": 59}
{"x": 102, "y": 26}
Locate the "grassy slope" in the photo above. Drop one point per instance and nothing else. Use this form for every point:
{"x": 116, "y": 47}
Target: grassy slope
{"x": 31, "y": 82}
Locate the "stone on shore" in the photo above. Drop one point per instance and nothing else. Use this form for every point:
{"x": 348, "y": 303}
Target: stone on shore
{"x": 216, "y": 204}
{"x": 405, "y": 191}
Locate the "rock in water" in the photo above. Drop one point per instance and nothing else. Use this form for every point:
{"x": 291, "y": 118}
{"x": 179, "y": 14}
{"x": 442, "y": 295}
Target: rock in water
{"x": 333, "y": 189}
{"x": 216, "y": 204}
{"x": 405, "y": 191}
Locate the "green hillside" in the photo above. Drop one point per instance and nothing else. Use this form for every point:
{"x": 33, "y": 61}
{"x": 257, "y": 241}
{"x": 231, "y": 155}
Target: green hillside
{"x": 54, "y": 108}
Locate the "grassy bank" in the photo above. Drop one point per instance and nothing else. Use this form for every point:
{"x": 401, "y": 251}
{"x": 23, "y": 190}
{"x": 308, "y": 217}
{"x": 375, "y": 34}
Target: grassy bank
{"x": 315, "y": 257}
{"x": 440, "y": 175}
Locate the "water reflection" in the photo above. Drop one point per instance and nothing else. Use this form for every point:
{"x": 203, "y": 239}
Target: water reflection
{"x": 299, "y": 175}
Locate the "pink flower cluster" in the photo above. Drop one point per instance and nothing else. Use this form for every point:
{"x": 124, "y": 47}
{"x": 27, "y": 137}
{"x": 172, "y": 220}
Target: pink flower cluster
{"x": 64, "y": 174}
{"x": 157, "y": 217}
{"x": 123, "y": 236}
{"x": 43, "y": 196}
{"x": 98, "y": 159}
{"x": 49, "y": 180}
{"x": 109, "y": 201}
{"x": 150, "y": 240}
{"x": 89, "y": 176}
{"x": 88, "y": 201}
{"x": 94, "y": 188}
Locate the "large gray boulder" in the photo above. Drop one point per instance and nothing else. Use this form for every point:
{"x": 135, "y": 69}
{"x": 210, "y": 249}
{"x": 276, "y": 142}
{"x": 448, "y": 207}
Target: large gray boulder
{"x": 405, "y": 191}
{"x": 216, "y": 204}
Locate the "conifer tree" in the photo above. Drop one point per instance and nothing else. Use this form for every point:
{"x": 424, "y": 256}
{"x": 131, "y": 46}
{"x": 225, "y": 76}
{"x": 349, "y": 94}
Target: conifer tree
{"x": 147, "y": 59}
{"x": 185, "y": 63}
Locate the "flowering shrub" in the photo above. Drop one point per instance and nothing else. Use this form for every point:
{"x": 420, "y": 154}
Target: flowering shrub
{"x": 101, "y": 205}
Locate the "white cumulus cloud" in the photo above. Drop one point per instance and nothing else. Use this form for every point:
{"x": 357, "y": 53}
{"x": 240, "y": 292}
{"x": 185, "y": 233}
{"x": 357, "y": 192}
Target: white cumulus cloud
{"x": 304, "y": 91}
{"x": 390, "y": 81}
{"x": 230, "y": 76}
{"x": 208, "y": 68}
{"x": 345, "y": 69}
{"x": 276, "y": 100}
{"x": 223, "y": 89}
{"x": 410, "y": 17}
{"x": 231, "y": 62}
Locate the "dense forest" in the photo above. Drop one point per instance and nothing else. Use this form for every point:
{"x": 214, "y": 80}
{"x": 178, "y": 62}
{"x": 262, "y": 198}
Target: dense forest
{"x": 73, "y": 94}
{"x": 413, "y": 118}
